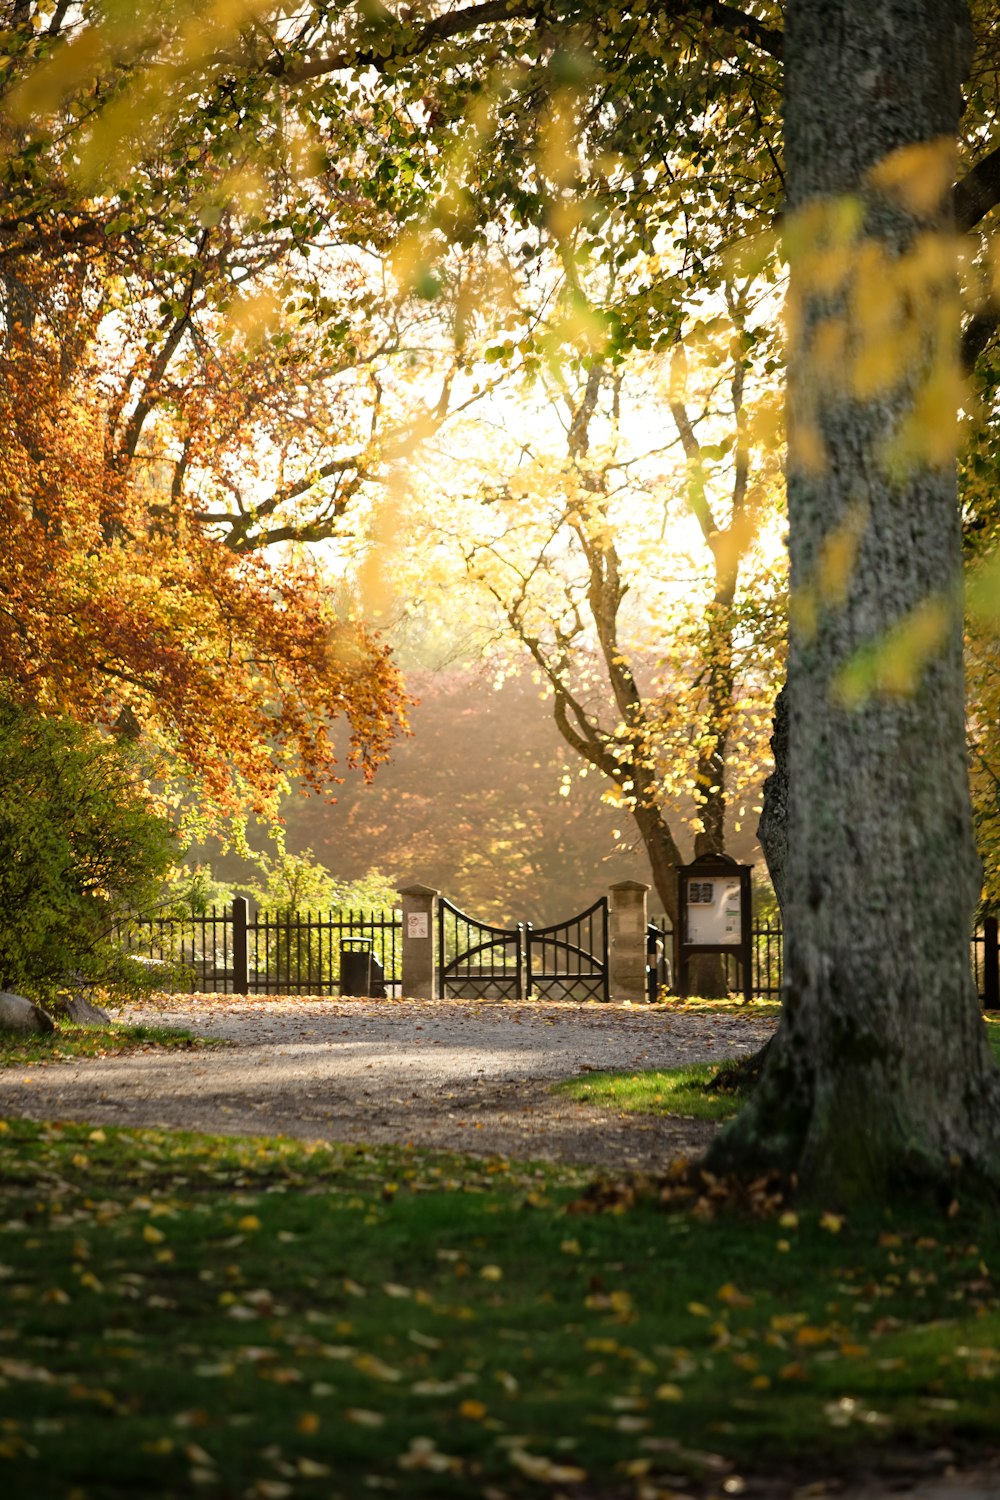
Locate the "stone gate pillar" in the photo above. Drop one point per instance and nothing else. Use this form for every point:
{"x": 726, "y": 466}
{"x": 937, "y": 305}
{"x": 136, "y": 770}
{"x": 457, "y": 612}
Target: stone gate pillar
{"x": 627, "y": 946}
{"x": 419, "y": 942}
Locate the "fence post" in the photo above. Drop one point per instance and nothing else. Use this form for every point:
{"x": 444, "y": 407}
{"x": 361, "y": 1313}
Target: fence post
{"x": 241, "y": 971}
{"x": 627, "y": 953}
{"x": 419, "y": 973}
{"x": 991, "y": 965}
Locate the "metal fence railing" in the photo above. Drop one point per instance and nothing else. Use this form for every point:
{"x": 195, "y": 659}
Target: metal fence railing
{"x": 229, "y": 952}
{"x": 767, "y": 959}
{"x": 765, "y": 962}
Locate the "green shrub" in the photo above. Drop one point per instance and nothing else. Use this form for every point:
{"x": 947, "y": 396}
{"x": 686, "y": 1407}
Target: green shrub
{"x": 80, "y": 846}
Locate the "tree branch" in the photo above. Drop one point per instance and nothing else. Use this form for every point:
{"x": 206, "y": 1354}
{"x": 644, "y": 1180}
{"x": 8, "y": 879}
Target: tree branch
{"x": 725, "y": 18}
{"x": 978, "y": 192}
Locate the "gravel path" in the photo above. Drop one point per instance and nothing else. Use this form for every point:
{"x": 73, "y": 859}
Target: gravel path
{"x": 468, "y": 1076}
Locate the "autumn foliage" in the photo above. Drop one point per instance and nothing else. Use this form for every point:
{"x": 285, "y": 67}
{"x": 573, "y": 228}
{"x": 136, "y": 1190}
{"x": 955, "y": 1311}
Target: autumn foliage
{"x": 234, "y": 665}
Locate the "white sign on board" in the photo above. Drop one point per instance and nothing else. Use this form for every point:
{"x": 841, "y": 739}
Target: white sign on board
{"x": 417, "y": 924}
{"x": 713, "y": 911}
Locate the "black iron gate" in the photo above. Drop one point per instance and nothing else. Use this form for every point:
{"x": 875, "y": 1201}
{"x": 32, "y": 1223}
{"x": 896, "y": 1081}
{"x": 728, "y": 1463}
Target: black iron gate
{"x": 477, "y": 960}
{"x": 569, "y": 960}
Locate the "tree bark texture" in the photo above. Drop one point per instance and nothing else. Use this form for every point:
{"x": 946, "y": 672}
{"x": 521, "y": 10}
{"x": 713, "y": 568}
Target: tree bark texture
{"x": 772, "y": 829}
{"x": 880, "y": 1074}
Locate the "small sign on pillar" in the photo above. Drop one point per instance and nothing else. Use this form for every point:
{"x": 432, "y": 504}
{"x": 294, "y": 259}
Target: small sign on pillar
{"x": 715, "y": 910}
{"x": 420, "y": 904}
{"x": 418, "y": 924}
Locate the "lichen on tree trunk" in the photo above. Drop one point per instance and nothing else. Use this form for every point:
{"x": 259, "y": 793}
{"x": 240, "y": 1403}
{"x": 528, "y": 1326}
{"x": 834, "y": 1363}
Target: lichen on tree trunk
{"x": 880, "y": 1071}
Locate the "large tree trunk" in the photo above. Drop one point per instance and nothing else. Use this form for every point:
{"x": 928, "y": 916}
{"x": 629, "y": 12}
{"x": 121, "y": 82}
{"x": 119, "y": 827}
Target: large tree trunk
{"x": 880, "y": 1072}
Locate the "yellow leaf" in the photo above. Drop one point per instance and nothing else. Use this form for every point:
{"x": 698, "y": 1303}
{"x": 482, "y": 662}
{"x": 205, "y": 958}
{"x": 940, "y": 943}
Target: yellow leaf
{"x": 474, "y": 1410}
{"x": 308, "y": 1423}
{"x": 669, "y": 1392}
{"x": 699, "y": 1310}
{"x": 637, "y": 1468}
{"x": 491, "y": 1273}
{"x": 152, "y": 1235}
{"x": 786, "y": 1322}
{"x": 733, "y": 1297}
{"x": 370, "y": 1364}
{"x": 833, "y": 1222}
{"x": 808, "y": 1335}
{"x": 248, "y": 1222}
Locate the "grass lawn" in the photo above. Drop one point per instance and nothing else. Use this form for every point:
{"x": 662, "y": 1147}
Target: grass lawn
{"x": 186, "y": 1315}
{"x": 678, "y": 1091}
{"x": 655, "y": 1091}
{"x": 113, "y": 1040}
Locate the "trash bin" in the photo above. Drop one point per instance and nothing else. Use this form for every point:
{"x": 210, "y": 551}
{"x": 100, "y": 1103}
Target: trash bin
{"x": 356, "y": 966}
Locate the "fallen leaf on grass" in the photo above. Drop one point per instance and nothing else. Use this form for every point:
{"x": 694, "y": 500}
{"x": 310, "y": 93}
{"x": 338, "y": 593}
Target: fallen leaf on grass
{"x": 423, "y": 1340}
{"x": 423, "y": 1453}
{"x": 370, "y": 1364}
{"x": 362, "y": 1417}
{"x": 733, "y": 1297}
{"x": 310, "y": 1469}
{"x": 534, "y": 1466}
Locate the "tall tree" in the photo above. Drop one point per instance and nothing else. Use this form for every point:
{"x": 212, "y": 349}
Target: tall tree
{"x": 629, "y": 568}
{"x": 237, "y": 669}
{"x": 880, "y": 1070}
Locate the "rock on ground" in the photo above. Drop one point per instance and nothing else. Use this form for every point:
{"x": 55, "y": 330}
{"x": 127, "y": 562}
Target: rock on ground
{"x": 18, "y": 1014}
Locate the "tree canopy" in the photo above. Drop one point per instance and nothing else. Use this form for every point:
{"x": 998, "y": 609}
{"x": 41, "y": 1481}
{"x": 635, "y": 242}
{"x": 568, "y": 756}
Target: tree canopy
{"x": 217, "y": 168}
